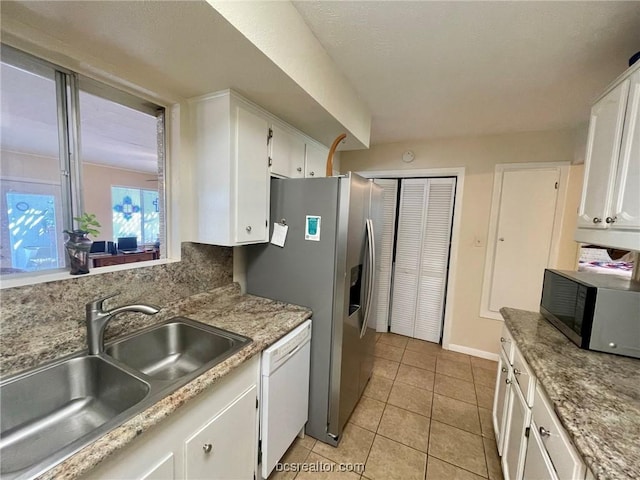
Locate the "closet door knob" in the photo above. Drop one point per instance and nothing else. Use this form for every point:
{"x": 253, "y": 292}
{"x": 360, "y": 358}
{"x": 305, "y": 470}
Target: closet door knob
{"x": 311, "y": 173}
{"x": 248, "y": 229}
{"x": 611, "y": 219}
{"x": 597, "y": 220}
{"x": 299, "y": 169}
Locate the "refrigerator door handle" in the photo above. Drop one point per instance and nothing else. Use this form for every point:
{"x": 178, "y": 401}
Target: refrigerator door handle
{"x": 371, "y": 249}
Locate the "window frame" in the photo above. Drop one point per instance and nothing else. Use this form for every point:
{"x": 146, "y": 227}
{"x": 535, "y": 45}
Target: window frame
{"x": 119, "y": 91}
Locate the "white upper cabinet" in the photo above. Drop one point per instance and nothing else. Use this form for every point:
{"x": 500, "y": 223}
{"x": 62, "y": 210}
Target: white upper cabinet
{"x": 316, "y": 160}
{"x": 626, "y": 198}
{"x": 287, "y": 152}
{"x": 230, "y": 174}
{"x": 609, "y": 212}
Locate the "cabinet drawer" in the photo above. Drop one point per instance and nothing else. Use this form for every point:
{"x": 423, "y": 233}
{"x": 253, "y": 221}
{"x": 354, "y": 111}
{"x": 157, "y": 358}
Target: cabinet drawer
{"x": 506, "y": 340}
{"x": 564, "y": 457}
{"x": 524, "y": 377}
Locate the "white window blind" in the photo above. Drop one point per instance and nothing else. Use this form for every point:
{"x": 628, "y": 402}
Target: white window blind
{"x": 389, "y": 201}
{"x": 422, "y": 254}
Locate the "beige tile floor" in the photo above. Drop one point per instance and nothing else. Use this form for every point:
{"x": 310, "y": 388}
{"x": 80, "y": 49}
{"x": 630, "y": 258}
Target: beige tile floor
{"x": 426, "y": 414}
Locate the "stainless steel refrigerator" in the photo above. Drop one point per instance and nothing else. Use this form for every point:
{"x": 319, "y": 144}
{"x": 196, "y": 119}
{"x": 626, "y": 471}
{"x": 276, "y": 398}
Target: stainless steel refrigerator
{"x": 328, "y": 263}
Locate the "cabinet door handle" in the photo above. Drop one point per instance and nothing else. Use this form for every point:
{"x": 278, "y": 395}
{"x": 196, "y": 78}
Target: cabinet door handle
{"x": 503, "y": 340}
{"x": 508, "y": 381}
{"x": 248, "y": 229}
{"x": 311, "y": 173}
{"x": 611, "y": 219}
{"x": 207, "y": 448}
{"x": 516, "y": 371}
{"x": 299, "y": 169}
{"x": 544, "y": 432}
{"x": 504, "y": 369}
{"x": 597, "y": 220}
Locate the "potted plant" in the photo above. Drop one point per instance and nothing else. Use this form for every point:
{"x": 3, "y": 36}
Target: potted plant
{"x": 78, "y": 243}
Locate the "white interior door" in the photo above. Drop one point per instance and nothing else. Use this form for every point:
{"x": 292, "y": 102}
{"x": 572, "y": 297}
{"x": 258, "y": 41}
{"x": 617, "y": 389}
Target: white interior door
{"x": 422, "y": 255}
{"x": 434, "y": 259}
{"x": 523, "y": 239}
{"x": 389, "y": 203}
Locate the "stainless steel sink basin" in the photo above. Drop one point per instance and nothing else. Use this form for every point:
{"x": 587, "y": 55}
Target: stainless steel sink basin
{"x": 170, "y": 351}
{"x": 51, "y": 412}
{"x": 55, "y": 406}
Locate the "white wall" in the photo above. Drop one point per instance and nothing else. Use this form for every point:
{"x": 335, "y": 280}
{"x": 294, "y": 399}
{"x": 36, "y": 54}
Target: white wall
{"x": 479, "y": 156}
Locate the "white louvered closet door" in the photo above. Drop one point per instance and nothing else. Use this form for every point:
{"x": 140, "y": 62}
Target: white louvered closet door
{"x": 422, "y": 255}
{"x": 384, "y": 269}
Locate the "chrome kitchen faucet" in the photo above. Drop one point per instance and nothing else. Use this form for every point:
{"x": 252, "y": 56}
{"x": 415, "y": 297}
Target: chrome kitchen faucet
{"x": 97, "y": 320}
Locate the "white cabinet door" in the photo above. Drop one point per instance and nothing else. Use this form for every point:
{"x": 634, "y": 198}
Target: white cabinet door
{"x": 224, "y": 448}
{"x": 518, "y": 419}
{"x": 537, "y": 464}
{"x": 626, "y": 200}
{"x": 603, "y": 149}
{"x": 162, "y": 471}
{"x": 252, "y": 188}
{"x": 316, "y": 161}
{"x": 287, "y": 153}
{"x": 501, "y": 401}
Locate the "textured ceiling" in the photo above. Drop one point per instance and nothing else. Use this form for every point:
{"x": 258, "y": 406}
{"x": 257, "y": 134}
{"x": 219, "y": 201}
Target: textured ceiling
{"x": 439, "y": 69}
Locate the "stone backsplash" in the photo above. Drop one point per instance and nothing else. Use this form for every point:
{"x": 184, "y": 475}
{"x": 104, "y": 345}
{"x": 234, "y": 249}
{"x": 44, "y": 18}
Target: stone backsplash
{"x": 45, "y": 321}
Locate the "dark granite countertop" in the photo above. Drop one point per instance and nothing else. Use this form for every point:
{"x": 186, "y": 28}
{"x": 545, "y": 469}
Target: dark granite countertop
{"x": 263, "y": 320}
{"x": 595, "y": 395}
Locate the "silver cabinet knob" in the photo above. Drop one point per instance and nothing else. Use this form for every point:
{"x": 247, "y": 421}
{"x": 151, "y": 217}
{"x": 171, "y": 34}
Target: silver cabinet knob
{"x": 299, "y": 169}
{"x": 504, "y": 369}
{"x": 544, "y": 432}
{"x": 597, "y": 220}
{"x": 503, "y": 340}
{"x": 311, "y": 174}
{"x": 501, "y": 239}
{"x": 248, "y": 229}
{"x": 611, "y": 219}
{"x": 207, "y": 448}
{"x": 516, "y": 371}
{"x": 613, "y": 345}
{"x": 508, "y": 381}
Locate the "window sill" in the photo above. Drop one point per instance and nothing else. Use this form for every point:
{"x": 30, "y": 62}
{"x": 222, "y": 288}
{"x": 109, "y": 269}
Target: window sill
{"x": 21, "y": 280}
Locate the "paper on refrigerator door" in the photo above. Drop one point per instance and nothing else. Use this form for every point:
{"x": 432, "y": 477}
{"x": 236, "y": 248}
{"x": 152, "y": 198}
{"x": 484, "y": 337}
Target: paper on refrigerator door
{"x": 312, "y": 228}
{"x": 279, "y": 234}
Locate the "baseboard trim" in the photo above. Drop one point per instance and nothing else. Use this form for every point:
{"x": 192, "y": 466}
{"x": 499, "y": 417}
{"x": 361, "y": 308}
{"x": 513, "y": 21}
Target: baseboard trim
{"x": 474, "y": 352}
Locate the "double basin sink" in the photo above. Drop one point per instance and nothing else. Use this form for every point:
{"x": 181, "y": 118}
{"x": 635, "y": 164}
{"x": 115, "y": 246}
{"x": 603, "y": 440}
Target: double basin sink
{"x": 49, "y": 413}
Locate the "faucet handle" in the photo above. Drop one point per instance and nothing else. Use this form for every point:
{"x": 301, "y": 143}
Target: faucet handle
{"x": 96, "y": 305}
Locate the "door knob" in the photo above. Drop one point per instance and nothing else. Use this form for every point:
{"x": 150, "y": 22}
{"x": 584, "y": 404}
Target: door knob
{"x": 311, "y": 173}
{"x": 597, "y": 220}
{"x": 249, "y": 229}
{"x": 501, "y": 239}
{"x": 207, "y": 448}
{"x": 299, "y": 169}
{"x": 611, "y": 219}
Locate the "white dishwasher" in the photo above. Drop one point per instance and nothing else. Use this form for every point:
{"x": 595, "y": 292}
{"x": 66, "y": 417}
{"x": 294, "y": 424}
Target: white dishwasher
{"x": 285, "y": 394}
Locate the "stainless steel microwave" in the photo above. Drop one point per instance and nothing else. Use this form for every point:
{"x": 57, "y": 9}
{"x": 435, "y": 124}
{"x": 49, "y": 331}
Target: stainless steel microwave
{"x": 596, "y": 311}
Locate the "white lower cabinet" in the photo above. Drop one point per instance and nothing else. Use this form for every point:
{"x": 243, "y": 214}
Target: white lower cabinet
{"x": 220, "y": 448}
{"x": 214, "y": 436}
{"x": 515, "y": 441}
{"x": 538, "y": 464}
{"x": 501, "y": 400}
{"x": 530, "y": 439}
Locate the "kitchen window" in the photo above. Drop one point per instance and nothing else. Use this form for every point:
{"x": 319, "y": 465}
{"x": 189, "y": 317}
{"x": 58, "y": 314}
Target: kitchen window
{"x": 69, "y": 145}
